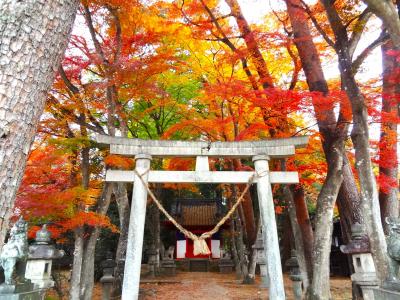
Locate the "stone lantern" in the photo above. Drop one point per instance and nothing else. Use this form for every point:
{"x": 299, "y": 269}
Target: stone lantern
{"x": 364, "y": 278}
{"x": 40, "y": 256}
{"x": 295, "y": 275}
{"x": 225, "y": 263}
{"x": 152, "y": 261}
{"x": 261, "y": 260}
{"x": 108, "y": 266}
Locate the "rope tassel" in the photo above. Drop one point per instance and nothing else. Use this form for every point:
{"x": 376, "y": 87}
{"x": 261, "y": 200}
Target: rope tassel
{"x": 200, "y": 247}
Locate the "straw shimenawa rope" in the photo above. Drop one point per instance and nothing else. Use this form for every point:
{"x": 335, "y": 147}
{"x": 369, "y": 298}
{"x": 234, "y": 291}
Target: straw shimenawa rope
{"x": 199, "y": 244}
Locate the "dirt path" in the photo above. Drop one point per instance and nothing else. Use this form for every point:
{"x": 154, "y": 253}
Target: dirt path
{"x": 215, "y": 286}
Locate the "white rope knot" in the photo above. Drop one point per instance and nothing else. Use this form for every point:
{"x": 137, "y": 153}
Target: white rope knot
{"x": 200, "y": 247}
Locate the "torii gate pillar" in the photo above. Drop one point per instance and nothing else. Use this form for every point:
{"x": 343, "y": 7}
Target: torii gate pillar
{"x": 270, "y": 233}
{"x": 134, "y": 247}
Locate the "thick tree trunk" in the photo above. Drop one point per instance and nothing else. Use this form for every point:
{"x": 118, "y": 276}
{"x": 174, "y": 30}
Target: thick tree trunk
{"x": 348, "y": 200}
{"x": 33, "y": 38}
{"x": 388, "y": 142}
{"x": 360, "y": 137}
{"x": 320, "y": 287}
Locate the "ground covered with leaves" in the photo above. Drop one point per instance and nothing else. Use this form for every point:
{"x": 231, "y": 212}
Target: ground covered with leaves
{"x": 211, "y": 286}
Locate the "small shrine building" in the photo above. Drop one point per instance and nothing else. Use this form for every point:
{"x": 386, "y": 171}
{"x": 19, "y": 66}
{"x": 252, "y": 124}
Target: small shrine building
{"x": 198, "y": 216}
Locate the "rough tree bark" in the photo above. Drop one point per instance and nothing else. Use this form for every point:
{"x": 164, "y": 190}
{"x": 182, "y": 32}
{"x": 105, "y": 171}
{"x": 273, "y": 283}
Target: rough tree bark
{"x": 360, "y": 137}
{"x": 320, "y": 288}
{"x": 388, "y": 141}
{"x": 348, "y": 199}
{"x": 76, "y": 272}
{"x": 33, "y": 38}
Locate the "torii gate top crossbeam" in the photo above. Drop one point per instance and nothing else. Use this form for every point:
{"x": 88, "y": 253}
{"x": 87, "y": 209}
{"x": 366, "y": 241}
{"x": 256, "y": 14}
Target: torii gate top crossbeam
{"x": 165, "y": 148}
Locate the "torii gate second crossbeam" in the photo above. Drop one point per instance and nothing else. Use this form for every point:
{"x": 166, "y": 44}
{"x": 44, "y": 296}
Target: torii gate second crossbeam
{"x": 260, "y": 152}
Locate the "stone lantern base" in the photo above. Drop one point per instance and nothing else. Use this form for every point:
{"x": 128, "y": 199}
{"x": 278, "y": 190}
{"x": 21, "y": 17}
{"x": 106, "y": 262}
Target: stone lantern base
{"x": 19, "y": 291}
{"x": 383, "y": 294}
{"x": 38, "y": 271}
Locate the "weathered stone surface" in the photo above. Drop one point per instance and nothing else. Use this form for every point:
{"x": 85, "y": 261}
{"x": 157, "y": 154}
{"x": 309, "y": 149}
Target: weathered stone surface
{"x": 133, "y": 258}
{"x": 270, "y": 233}
{"x": 274, "y": 147}
{"x": 383, "y": 294}
{"x": 201, "y": 177}
{"x": 260, "y": 151}
{"x": 14, "y": 255}
{"x": 33, "y": 295}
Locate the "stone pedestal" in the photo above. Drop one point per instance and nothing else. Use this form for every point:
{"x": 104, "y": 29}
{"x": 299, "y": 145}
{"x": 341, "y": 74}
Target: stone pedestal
{"x": 364, "y": 277}
{"x": 295, "y": 276}
{"x": 225, "y": 265}
{"x": 13, "y": 260}
{"x": 168, "y": 267}
{"x": 32, "y": 295}
{"x": 383, "y": 294}
{"x": 39, "y": 272}
{"x": 20, "y": 291}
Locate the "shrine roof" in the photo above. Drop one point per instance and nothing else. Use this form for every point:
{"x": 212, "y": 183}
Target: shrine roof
{"x": 204, "y": 214}
{"x": 197, "y": 212}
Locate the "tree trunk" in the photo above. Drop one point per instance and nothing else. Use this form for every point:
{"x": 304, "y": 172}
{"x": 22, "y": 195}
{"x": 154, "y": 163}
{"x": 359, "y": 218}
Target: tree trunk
{"x": 253, "y": 259}
{"x": 248, "y": 211}
{"x": 33, "y": 38}
{"x": 360, "y": 137}
{"x": 233, "y": 231}
{"x": 241, "y": 248}
{"x": 348, "y": 200}
{"x": 388, "y": 142}
{"x": 121, "y": 197}
{"x": 286, "y": 243}
{"x": 387, "y": 12}
{"x": 320, "y": 287}
{"x": 157, "y": 228}
{"x": 87, "y": 277}
{"x": 251, "y": 44}
{"x": 74, "y": 293}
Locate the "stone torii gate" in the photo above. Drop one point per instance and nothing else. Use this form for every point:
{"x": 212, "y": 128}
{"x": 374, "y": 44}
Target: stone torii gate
{"x": 260, "y": 152}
